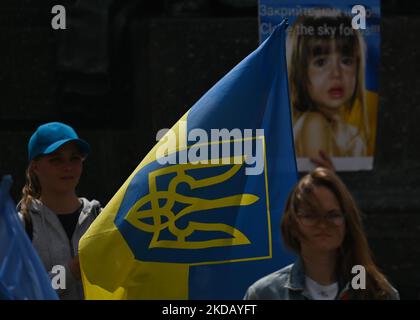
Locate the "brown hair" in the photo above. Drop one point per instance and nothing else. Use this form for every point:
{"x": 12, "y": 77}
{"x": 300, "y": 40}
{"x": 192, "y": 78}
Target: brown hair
{"x": 31, "y": 190}
{"x": 306, "y": 40}
{"x": 354, "y": 249}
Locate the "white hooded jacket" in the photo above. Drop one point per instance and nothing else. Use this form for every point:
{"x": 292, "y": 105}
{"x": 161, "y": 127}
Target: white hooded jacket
{"x": 53, "y": 246}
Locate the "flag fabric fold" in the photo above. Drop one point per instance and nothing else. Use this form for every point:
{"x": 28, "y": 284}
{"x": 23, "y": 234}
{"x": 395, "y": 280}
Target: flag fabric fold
{"x": 199, "y": 217}
{"x": 22, "y": 275}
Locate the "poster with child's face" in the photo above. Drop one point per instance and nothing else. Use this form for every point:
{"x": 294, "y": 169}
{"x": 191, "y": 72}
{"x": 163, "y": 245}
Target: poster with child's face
{"x": 333, "y": 50}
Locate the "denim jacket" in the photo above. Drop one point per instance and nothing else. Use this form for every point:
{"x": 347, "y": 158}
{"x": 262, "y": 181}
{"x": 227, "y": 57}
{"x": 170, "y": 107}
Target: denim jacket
{"x": 289, "y": 284}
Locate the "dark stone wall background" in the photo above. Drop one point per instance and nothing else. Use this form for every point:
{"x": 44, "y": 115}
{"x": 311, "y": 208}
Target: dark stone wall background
{"x": 155, "y": 61}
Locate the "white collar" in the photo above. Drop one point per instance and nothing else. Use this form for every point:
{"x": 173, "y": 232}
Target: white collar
{"x": 321, "y": 292}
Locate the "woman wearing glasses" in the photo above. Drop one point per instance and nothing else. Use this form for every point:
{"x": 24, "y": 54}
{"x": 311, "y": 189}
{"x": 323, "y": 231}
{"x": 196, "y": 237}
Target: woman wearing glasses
{"x": 323, "y": 226}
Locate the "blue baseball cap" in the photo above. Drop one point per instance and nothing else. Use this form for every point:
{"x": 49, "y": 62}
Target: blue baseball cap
{"x": 51, "y": 136}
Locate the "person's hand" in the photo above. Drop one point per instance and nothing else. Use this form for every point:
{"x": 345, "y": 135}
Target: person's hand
{"x": 323, "y": 160}
{"x": 74, "y": 266}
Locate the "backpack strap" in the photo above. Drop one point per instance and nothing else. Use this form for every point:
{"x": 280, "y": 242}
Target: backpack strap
{"x": 96, "y": 211}
{"x": 29, "y": 227}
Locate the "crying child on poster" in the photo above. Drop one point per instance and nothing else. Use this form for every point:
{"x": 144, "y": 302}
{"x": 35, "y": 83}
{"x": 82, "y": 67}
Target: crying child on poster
{"x": 326, "y": 65}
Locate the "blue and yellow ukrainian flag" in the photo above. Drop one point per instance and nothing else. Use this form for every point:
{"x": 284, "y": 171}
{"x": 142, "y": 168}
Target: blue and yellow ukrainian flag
{"x": 206, "y": 230}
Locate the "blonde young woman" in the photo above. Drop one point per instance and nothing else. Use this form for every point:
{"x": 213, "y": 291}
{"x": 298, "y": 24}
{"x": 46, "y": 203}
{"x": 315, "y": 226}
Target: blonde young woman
{"x": 55, "y": 217}
{"x": 323, "y": 226}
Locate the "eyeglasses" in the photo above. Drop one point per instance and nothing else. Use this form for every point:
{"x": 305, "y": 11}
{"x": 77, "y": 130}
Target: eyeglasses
{"x": 310, "y": 220}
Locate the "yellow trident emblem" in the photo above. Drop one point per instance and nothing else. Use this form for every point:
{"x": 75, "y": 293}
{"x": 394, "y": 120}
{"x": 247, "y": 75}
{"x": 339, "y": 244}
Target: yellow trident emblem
{"x": 163, "y": 217}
